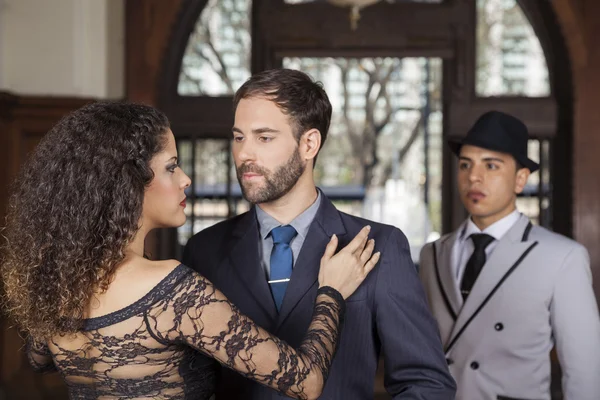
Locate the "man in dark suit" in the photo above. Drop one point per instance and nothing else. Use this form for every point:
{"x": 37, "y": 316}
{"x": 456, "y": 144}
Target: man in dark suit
{"x": 281, "y": 121}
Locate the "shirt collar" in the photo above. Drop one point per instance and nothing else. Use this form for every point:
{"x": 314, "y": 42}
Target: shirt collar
{"x": 301, "y": 223}
{"x": 497, "y": 230}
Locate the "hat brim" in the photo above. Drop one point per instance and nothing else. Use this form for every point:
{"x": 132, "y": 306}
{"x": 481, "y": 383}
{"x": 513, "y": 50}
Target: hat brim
{"x": 456, "y": 144}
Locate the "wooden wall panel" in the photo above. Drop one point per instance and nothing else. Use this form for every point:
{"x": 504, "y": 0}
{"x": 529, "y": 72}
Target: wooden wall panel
{"x": 586, "y": 186}
{"x": 23, "y": 122}
{"x": 580, "y": 23}
{"x": 147, "y": 33}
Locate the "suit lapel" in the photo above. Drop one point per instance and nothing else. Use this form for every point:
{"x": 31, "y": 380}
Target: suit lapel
{"x": 507, "y": 256}
{"x": 245, "y": 260}
{"x": 444, "y": 275}
{"x": 327, "y": 222}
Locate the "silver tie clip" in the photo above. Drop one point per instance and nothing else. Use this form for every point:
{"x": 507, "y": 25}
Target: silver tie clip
{"x": 280, "y": 280}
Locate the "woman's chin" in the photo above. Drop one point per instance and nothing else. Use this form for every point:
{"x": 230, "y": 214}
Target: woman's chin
{"x": 175, "y": 223}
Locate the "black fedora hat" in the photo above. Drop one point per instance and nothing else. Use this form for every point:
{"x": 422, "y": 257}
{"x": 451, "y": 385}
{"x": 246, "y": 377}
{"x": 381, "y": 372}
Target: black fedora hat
{"x": 501, "y": 132}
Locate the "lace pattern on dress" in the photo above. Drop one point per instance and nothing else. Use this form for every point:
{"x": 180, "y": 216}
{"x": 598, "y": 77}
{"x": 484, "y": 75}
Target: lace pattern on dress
{"x": 153, "y": 347}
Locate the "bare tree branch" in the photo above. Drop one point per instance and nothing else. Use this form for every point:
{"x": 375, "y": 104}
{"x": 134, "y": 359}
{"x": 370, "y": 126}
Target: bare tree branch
{"x": 353, "y": 135}
{"x": 203, "y": 35}
{"x": 222, "y": 70}
{"x": 189, "y": 79}
{"x": 369, "y": 106}
{"x": 414, "y": 134}
{"x": 379, "y": 113}
{"x": 383, "y": 93}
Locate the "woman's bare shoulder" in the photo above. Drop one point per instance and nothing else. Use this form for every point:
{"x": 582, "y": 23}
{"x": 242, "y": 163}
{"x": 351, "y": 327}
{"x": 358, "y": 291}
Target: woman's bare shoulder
{"x": 131, "y": 282}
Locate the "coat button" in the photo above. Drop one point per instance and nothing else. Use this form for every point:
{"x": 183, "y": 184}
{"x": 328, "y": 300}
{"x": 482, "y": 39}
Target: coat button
{"x": 449, "y": 361}
{"x": 499, "y": 326}
{"x": 474, "y": 365}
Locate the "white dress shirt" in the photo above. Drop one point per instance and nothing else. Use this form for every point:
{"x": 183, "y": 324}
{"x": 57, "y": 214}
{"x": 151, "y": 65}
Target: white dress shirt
{"x": 463, "y": 246}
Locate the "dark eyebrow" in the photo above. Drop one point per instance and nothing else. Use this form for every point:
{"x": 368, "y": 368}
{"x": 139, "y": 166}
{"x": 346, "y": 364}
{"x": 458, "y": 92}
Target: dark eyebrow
{"x": 256, "y": 131}
{"x": 493, "y": 159}
{"x": 174, "y": 158}
{"x": 487, "y": 159}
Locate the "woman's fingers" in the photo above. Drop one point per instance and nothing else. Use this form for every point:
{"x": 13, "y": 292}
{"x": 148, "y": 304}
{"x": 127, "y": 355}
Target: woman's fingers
{"x": 331, "y": 248}
{"x": 358, "y": 243}
{"x": 367, "y": 251}
{"x": 371, "y": 263}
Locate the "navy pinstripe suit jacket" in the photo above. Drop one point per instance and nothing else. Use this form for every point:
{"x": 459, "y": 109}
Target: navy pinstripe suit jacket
{"x": 388, "y": 314}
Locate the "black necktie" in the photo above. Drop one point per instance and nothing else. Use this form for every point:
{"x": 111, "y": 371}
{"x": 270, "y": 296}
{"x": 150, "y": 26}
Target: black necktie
{"x": 475, "y": 263}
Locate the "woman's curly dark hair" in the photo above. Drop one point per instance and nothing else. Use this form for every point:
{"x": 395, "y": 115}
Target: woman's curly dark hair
{"x": 75, "y": 207}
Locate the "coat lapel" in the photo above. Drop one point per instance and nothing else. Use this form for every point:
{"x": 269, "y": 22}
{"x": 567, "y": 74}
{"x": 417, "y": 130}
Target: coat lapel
{"x": 507, "y": 256}
{"x": 327, "y": 222}
{"x": 444, "y": 275}
{"x": 245, "y": 260}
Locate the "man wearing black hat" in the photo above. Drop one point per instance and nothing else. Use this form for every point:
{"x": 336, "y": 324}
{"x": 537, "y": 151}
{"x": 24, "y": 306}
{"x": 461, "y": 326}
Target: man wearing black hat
{"x": 504, "y": 291}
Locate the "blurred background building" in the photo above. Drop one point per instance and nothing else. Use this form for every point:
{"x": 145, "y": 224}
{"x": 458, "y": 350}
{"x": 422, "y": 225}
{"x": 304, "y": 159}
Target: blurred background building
{"x": 402, "y": 75}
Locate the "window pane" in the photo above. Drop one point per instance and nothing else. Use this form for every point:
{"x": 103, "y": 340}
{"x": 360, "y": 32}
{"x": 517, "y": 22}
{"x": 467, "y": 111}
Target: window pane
{"x": 533, "y": 152}
{"x": 210, "y": 165}
{"x": 352, "y": 207}
{"x": 510, "y": 60}
{"x": 535, "y": 200}
{"x": 213, "y": 196}
{"x": 217, "y": 57}
{"x": 530, "y": 207}
{"x": 545, "y": 215}
{"x": 383, "y": 153}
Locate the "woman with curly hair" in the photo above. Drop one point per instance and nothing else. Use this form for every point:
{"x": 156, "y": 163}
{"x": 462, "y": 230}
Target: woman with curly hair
{"x": 114, "y": 323}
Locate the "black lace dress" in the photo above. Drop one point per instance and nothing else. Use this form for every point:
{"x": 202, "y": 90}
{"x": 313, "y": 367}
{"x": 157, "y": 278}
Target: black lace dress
{"x": 152, "y": 348}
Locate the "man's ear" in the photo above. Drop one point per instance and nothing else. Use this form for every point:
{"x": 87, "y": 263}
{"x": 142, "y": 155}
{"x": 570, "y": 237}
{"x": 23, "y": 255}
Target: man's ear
{"x": 521, "y": 180}
{"x": 310, "y": 143}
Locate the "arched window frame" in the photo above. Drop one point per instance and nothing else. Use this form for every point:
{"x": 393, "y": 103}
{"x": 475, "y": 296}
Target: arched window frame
{"x": 445, "y": 30}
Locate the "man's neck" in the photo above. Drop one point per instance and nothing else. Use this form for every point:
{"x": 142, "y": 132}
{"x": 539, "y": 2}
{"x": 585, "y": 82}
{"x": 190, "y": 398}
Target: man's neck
{"x": 484, "y": 222}
{"x": 294, "y": 203}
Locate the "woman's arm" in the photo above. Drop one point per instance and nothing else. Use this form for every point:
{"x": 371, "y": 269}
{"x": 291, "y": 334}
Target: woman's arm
{"x": 220, "y": 330}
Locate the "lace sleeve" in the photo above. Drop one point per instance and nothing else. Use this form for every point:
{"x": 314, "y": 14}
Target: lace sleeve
{"x": 39, "y": 356}
{"x": 203, "y": 318}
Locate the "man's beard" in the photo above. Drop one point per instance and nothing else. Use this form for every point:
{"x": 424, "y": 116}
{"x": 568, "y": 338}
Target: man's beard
{"x": 276, "y": 184}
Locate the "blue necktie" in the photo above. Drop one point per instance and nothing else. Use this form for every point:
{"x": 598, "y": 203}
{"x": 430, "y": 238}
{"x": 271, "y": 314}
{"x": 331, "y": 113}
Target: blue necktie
{"x": 281, "y": 261}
